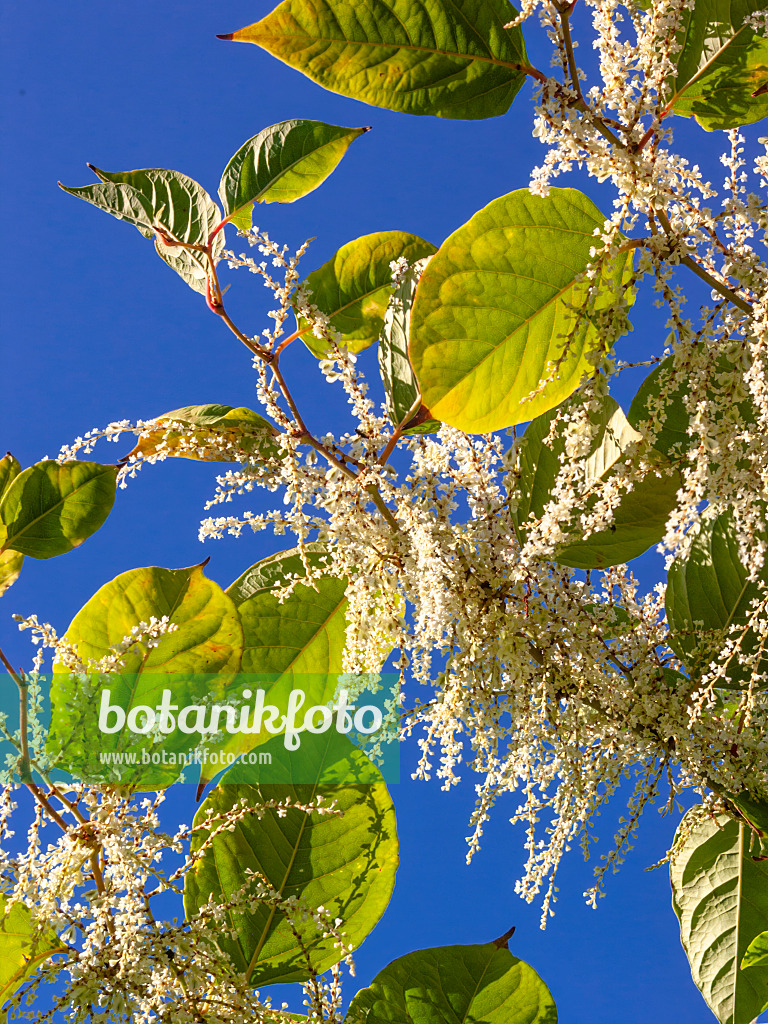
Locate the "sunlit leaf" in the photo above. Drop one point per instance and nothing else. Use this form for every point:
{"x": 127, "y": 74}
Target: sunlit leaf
{"x": 301, "y": 637}
{"x": 52, "y": 507}
{"x": 196, "y": 659}
{"x": 448, "y": 59}
{"x": 282, "y": 164}
{"x": 122, "y": 201}
{"x": 501, "y": 329}
{"x": 400, "y": 385}
{"x": 9, "y": 470}
{"x": 641, "y": 515}
{"x": 707, "y": 594}
{"x": 11, "y": 563}
{"x": 757, "y": 952}
{"x": 455, "y": 983}
{"x": 23, "y": 947}
{"x": 212, "y": 433}
{"x": 721, "y": 66}
{"x": 354, "y": 287}
{"x": 346, "y": 864}
{"x": 720, "y": 895}
{"x": 185, "y": 212}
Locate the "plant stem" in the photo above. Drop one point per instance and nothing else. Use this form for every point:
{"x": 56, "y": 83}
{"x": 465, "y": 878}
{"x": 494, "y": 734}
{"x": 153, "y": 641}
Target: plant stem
{"x": 564, "y": 12}
{"x": 11, "y": 671}
{"x": 689, "y": 262}
{"x": 287, "y": 341}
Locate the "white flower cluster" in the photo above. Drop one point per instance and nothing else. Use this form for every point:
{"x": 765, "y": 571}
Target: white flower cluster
{"x": 95, "y": 886}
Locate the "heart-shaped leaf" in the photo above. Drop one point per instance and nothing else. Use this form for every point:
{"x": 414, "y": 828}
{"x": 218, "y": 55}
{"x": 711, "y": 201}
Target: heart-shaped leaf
{"x": 720, "y": 895}
{"x": 708, "y": 594}
{"x": 23, "y": 947}
{"x": 281, "y": 164}
{"x": 501, "y": 329}
{"x": 455, "y": 983}
{"x": 52, "y": 507}
{"x": 211, "y": 433}
{"x": 641, "y": 515}
{"x": 448, "y": 59}
{"x": 345, "y": 864}
{"x": 354, "y": 287}
{"x": 195, "y": 660}
{"x": 400, "y": 385}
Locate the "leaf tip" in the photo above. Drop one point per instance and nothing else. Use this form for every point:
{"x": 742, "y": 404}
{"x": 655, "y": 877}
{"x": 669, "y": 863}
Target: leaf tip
{"x": 502, "y": 941}
{"x": 226, "y": 35}
{"x": 366, "y": 128}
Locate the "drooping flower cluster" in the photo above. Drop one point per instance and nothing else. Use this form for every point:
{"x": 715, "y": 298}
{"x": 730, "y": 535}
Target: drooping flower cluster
{"x": 93, "y": 890}
{"x": 558, "y": 685}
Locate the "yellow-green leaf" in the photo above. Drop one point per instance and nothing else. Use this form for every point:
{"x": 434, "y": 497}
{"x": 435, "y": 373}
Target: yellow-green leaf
{"x": 641, "y": 514}
{"x": 345, "y": 863}
{"x": 281, "y": 164}
{"x": 52, "y": 507}
{"x": 354, "y": 287}
{"x": 501, "y": 329}
{"x": 23, "y": 947}
{"x": 196, "y": 659}
{"x": 211, "y": 433}
{"x": 451, "y": 59}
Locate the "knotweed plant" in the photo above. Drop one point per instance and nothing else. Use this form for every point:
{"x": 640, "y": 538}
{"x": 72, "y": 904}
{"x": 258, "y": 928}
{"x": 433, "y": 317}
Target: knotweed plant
{"x": 477, "y": 514}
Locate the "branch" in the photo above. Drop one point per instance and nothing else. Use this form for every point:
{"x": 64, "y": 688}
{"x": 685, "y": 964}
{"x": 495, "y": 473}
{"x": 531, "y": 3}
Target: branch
{"x": 564, "y": 11}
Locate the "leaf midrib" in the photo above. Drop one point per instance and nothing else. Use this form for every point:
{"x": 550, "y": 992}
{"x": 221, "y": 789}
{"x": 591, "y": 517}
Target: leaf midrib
{"x": 305, "y": 156}
{"x": 705, "y": 67}
{"x": 491, "y": 59}
{"x": 48, "y": 511}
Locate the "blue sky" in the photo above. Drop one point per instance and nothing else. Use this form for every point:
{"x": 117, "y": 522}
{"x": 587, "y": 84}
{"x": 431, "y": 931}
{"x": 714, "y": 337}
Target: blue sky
{"x": 97, "y": 329}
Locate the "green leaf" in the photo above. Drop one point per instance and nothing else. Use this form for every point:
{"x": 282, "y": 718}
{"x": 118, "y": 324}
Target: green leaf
{"x": 9, "y": 470}
{"x": 23, "y": 947}
{"x": 400, "y": 385}
{"x": 641, "y": 515}
{"x": 281, "y": 164}
{"x": 354, "y": 287}
{"x": 52, "y": 507}
{"x": 656, "y": 393}
{"x": 493, "y": 340}
{"x": 757, "y": 952}
{"x": 721, "y": 66}
{"x": 346, "y": 864}
{"x": 455, "y": 983}
{"x": 183, "y": 209}
{"x": 707, "y": 593}
{"x": 215, "y": 433}
{"x": 305, "y": 632}
{"x": 10, "y": 568}
{"x": 10, "y": 561}
{"x": 448, "y": 59}
{"x": 122, "y": 201}
{"x": 196, "y": 660}
{"x": 720, "y": 895}
{"x": 755, "y": 812}
{"x": 302, "y": 636}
